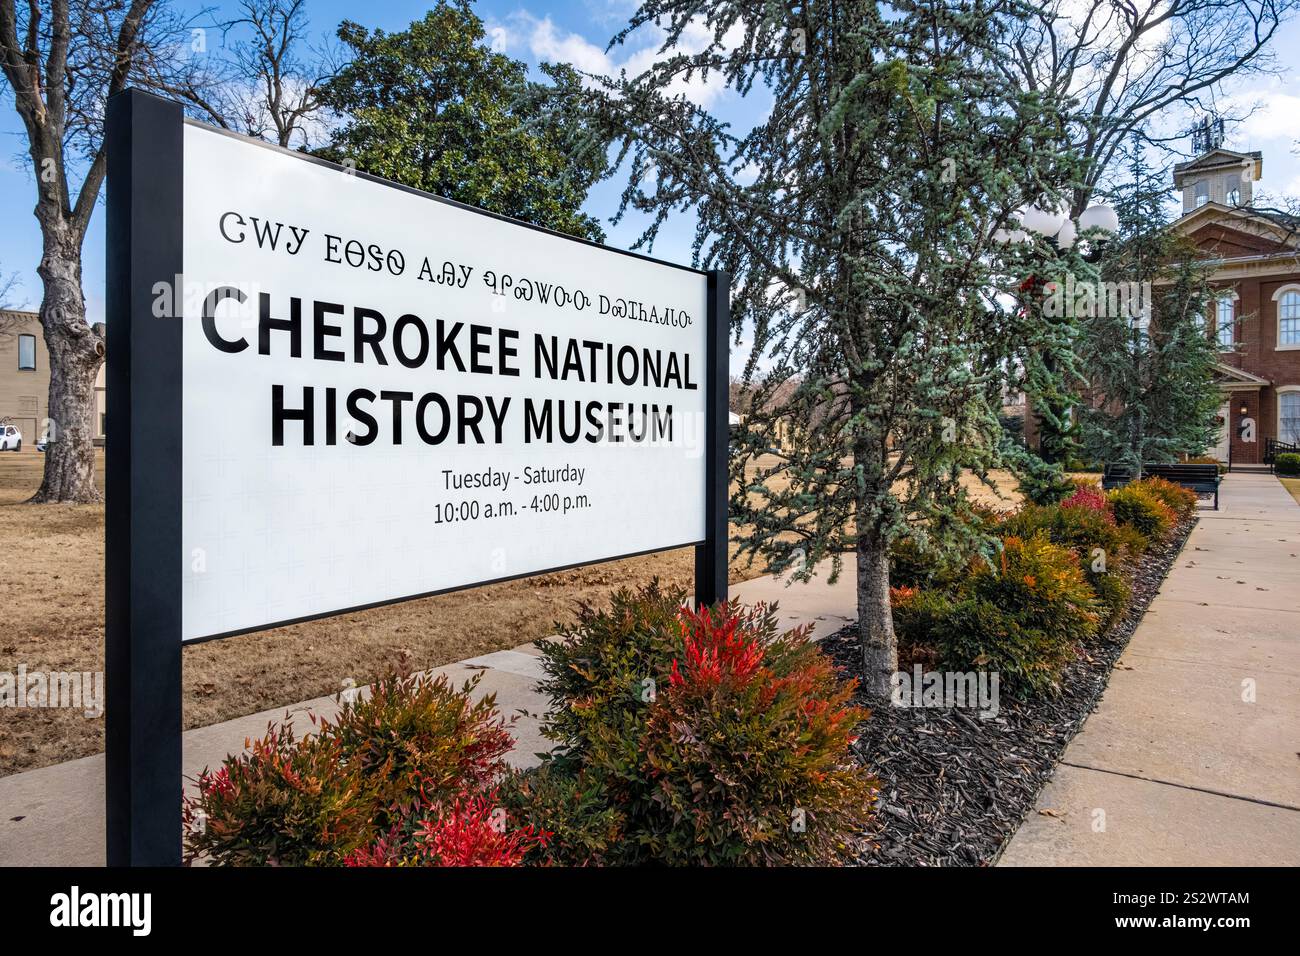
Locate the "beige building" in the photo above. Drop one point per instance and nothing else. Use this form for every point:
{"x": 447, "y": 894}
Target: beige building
{"x": 25, "y": 379}
{"x": 101, "y": 405}
{"x": 24, "y": 375}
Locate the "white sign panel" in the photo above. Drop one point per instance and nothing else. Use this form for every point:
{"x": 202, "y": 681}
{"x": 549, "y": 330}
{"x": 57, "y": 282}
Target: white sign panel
{"x": 391, "y": 395}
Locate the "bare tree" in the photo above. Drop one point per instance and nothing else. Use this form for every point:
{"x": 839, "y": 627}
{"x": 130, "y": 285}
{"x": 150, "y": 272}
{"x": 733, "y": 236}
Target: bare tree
{"x": 277, "y": 75}
{"x": 63, "y": 59}
{"x": 8, "y": 283}
{"x": 1127, "y": 63}
{"x": 8, "y": 320}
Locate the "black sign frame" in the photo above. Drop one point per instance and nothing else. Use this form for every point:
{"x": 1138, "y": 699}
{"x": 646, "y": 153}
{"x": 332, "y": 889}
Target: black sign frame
{"x": 143, "y": 457}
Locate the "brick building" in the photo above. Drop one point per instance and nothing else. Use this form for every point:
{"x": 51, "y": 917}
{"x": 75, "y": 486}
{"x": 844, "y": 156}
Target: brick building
{"x": 1254, "y": 254}
{"x": 1254, "y": 257}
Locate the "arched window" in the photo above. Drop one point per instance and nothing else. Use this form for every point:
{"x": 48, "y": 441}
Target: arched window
{"x": 1288, "y": 317}
{"x": 1232, "y": 189}
{"x": 1225, "y": 322}
{"x": 1288, "y": 414}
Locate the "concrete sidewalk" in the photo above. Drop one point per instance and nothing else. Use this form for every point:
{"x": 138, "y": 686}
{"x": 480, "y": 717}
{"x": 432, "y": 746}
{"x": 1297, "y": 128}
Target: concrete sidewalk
{"x": 1191, "y": 757}
{"x": 54, "y": 816}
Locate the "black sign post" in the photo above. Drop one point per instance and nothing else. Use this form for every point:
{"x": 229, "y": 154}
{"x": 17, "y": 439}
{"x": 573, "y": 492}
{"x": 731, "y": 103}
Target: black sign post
{"x": 142, "y": 545}
{"x": 711, "y": 557}
{"x": 144, "y": 548}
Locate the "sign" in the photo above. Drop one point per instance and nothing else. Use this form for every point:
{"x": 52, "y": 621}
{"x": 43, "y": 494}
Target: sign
{"x": 386, "y": 395}
{"x": 332, "y": 392}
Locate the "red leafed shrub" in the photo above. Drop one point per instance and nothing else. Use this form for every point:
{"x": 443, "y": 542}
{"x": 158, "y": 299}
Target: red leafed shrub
{"x": 469, "y": 831}
{"x": 1090, "y": 497}
{"x": 374, "y": 771}
{"x": 715, "y": 651}
{"x": 472, "y": 833}
{"x": 746, "y": 752}
{"x": 902, "y": 595}
{"x": 692, "y": 738}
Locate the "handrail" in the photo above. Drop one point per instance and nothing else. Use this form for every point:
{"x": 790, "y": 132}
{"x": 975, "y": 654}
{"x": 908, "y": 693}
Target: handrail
{"x": 1274, "y": 447}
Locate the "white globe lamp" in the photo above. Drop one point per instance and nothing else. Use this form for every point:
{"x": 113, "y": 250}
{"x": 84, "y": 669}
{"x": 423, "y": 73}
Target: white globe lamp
{"x": 1045, "y": 222}
{"x": 1100, "y": 216}
{"x": 1066, "y": 236}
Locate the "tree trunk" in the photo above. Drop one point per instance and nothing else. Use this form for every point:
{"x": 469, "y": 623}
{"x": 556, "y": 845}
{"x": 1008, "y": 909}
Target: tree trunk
{"x": 76, "y": 353}
{"x": 875, "y": 617}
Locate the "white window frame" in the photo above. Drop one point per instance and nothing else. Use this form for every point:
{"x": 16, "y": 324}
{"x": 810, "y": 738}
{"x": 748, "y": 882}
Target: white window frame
{"x": 1290, "y": 287}
{"x": 21, "y": 339}
{"x": 1230, "y": 327}
{"x": 1200, "y": 193}
{"x": 1282, "y": 391}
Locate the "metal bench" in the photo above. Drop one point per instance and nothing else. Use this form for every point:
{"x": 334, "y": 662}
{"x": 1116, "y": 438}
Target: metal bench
{"x": 1117, "y": 475}
{"x": 1202, "y": 479}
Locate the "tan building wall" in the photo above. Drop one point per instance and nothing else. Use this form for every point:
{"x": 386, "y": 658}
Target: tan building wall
{"x": 101, "y": 404}
{"x": 24, "y": 392}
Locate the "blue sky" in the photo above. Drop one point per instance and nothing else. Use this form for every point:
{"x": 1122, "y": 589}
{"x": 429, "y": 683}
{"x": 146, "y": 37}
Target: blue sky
{"x": 577, "y": 31}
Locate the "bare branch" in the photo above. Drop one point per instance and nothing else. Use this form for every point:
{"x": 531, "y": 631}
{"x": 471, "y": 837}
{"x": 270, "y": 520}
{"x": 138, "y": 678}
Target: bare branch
{"x": 1130, "y": 63}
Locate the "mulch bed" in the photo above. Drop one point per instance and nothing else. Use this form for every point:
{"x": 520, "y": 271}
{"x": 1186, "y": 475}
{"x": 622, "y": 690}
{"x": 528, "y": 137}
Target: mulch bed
{"x": 955, "y": 787}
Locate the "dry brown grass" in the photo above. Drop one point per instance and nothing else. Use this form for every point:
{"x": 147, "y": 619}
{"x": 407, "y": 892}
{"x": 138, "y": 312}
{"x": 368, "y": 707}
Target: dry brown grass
{"x": 52, "y": 593}
{"x": 1292, "y": 485}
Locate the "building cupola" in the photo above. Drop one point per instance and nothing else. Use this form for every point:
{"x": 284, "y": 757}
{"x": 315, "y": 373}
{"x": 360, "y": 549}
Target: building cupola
{"x": 1216, "y": 175}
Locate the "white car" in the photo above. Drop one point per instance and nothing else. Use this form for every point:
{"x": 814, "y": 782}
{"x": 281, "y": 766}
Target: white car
{"x": 11, "y": 439}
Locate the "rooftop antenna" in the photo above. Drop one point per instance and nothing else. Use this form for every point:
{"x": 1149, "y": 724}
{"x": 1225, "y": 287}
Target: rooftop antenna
{"x": 1207, "y": 135}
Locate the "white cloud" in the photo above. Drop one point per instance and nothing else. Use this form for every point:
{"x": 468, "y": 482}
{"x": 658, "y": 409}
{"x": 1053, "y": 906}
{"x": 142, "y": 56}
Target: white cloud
{"x": 547, "y": 42}
{"x": 1276, "y": 117}
{"x": 1271, "y": 124}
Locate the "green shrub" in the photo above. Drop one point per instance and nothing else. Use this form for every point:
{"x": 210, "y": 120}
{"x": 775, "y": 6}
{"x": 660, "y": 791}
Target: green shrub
{"x": 1081, "y": 529}
{"x": 573, "y": 806}
{"x": 712, "y": 738}
{"x": 977, "y": 635}
{"x": 1113, "y": 593}
{"x": 1181, "y": 501}
{"x": 285, "y": 802}
{"x": 1024, "y": 618}
{"x": 911, "y": 565}
{"x": 385, "y": 767}
{"x": 601, "y": 672}
{"x": 919, "y": 620}
{"x": 1287, "y": 463}
{"x": 1041, "y": 585}
{"x": 1136, "y": 507}
{"x": 415, "y": 739}
{"x": 1085, "y": 529}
